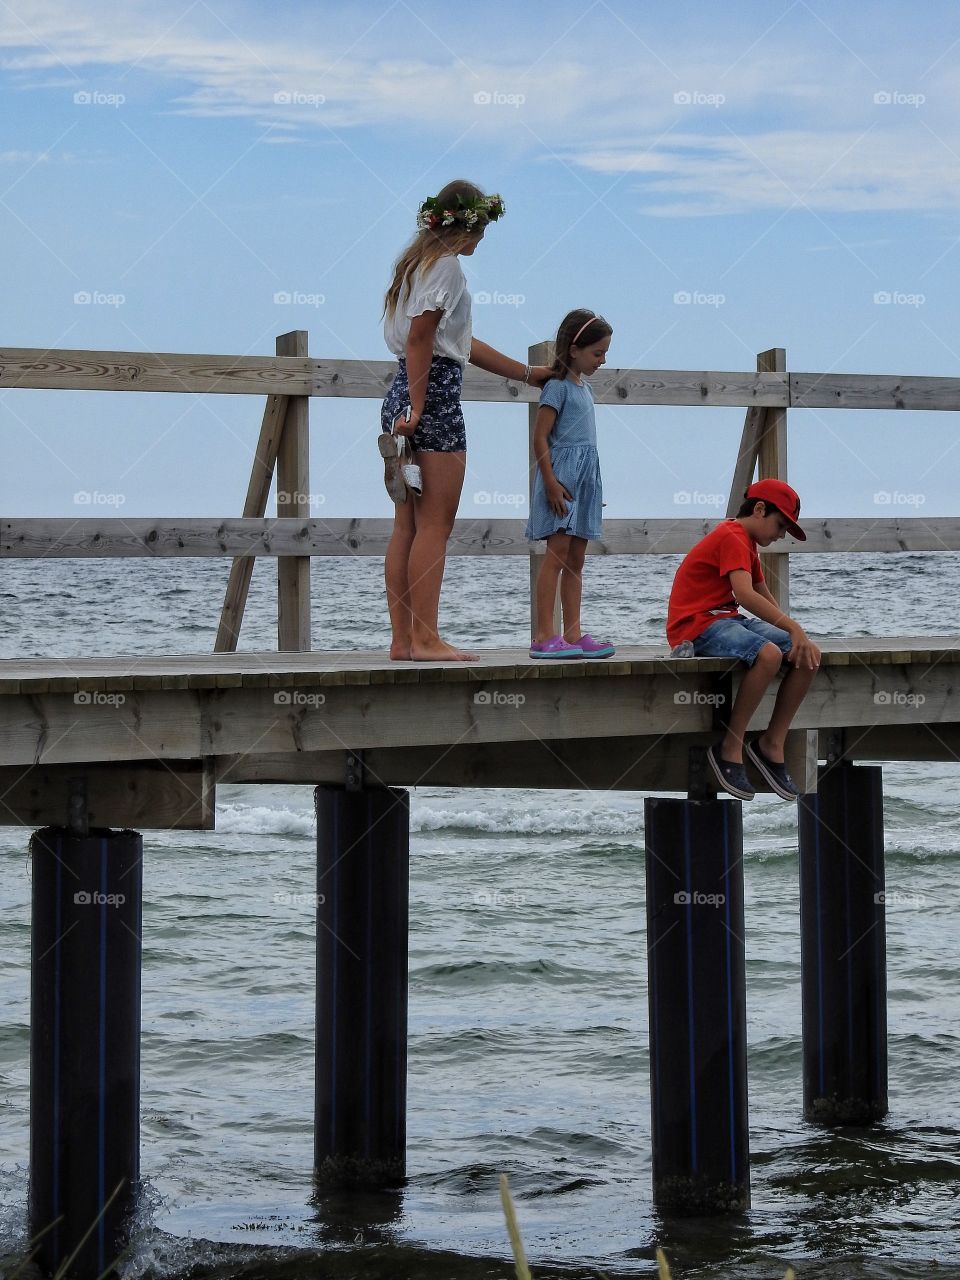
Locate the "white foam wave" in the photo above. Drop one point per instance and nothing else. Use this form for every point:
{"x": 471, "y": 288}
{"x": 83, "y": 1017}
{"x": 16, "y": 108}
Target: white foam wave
{"x": 250, "y": 819}
{"x": 243, "y": 819}
{"x": 566, "y": 820}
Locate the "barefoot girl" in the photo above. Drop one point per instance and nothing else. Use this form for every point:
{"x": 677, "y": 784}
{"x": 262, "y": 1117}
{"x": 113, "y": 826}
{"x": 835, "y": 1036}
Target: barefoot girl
{"x": 427, "y": 327}
{"x": 567, "y": 498}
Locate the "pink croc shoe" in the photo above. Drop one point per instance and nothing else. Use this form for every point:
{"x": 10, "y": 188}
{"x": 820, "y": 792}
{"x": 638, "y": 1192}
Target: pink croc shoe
{"x": 593, "y": 648}
{"x": 556, "y": 647}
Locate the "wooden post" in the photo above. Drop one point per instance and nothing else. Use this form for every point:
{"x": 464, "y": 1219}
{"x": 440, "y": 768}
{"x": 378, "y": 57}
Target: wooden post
{"x": 843, "y": 946}
{"x": 293, "y": 499}
{"x": 697, "y": 996}
{"x": 772, "y": 465}
{"x": 258, "y": 491}
{"x": 754, "y": 425}
{"x": 539, "y": 353}
{"x": 363, "y": 844}
{"x": 84, "y": 1045}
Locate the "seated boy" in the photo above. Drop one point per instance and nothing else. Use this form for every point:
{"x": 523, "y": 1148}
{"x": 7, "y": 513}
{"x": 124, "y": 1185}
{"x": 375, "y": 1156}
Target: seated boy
{"x": 719, "y": 574}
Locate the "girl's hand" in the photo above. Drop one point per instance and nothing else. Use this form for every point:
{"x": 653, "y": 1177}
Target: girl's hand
{"x": 540, "y": 374}
{"x": 404, "y": 426}
{"x": 557, "y": 497}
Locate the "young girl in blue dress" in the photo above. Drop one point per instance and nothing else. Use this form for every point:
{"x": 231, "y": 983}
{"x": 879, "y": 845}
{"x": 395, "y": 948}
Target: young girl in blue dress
{"x": 567, "y": 495}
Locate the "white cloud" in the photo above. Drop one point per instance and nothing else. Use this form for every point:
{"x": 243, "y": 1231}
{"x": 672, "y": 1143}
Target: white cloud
{"x": 23, "y": 157}
{"x": 842, "y": 171}
{"x": 753, "y": 120}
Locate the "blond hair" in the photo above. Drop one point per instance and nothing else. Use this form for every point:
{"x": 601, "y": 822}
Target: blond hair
{"x": 429, "y": 245}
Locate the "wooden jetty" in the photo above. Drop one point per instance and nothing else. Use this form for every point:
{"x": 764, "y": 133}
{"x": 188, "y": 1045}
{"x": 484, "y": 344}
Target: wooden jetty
{"x": 94, "y": 750}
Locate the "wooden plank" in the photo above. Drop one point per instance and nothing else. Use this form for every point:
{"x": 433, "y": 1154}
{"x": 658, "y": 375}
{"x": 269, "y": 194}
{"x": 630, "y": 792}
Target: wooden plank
{"x": 293, "y": 501}
{"x": 148, "y": 371}
{"x": 940, "y": 742}
{"x": 772, "y": 464}
{"x": 159, "y": 538}
{"x": 743, "y": 472}
{"x": 621, "y": 764}
{"x": 156, "y": 795}
{"x": 872, "y": 391}
{"x": 37, "y": 367}
{"x": 682, "y": 387}
{"x": 50, "y": 728}
{"x": 442, "y": 713}
{"x": 28, "y": 367}
{"x": 255, "y": 504}
{"x": 177, "y": 671}
{"x": 869, "y": 693}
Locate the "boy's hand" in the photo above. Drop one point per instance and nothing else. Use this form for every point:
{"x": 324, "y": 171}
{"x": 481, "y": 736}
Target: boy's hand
{"x": 804, "y": 654}
{"x": 555, "y": 494}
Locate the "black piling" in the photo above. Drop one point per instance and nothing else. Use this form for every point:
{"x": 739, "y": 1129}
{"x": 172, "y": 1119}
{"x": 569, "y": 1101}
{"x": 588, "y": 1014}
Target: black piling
{"x": 697, "y": 994}
{"x": 84, "y": 1045}
{"x": 363, "y": 847}
{"x": 843, "y": 946}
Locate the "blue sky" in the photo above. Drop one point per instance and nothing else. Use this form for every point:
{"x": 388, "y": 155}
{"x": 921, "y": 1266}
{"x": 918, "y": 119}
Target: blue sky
{"x": 781, "y": 165}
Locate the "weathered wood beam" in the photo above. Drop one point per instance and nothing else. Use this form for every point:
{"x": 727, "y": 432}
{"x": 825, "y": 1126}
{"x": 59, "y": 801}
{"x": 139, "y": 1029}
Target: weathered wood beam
{"x": 258, "y": 491}
{"x": 614, "y": 763}
{"x": 157, "y": 794}
{"x": 24, "y": 367}
{"x": 384, "y": 709}
{"x": 872, "y": 391}
{"x": 160, "y": 538}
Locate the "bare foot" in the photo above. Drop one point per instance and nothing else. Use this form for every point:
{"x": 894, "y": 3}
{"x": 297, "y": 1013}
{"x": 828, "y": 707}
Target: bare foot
{"x": 440, "y": 651}
{"x": 400, "y": 651}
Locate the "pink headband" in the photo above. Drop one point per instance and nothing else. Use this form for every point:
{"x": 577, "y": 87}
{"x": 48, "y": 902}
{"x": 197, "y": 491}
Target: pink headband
{"x": 573, "y": 340}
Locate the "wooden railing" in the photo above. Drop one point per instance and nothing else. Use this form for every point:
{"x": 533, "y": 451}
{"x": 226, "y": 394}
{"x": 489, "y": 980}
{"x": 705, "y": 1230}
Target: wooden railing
{"x": 291, "y": 378}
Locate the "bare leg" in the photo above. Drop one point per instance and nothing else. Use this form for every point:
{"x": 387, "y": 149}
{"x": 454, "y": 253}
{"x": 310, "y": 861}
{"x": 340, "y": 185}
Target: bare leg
{"x": 571, "y": 589}
{"x": 752, "y": 688}
{"x": 791, "y": 693}
{"x": 396, "y": 577}
{"x": 434, "y": 515}
{"x": 551, "y": 570}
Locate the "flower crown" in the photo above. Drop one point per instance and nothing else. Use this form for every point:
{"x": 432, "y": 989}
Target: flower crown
{"x": 468, "y": 210}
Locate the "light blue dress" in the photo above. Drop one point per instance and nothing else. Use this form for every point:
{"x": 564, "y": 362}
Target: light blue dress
{"x": 576, "y": 464}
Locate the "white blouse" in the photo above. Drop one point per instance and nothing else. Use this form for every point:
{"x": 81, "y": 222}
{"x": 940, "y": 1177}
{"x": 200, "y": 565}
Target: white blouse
{"x": 442, "y": 288}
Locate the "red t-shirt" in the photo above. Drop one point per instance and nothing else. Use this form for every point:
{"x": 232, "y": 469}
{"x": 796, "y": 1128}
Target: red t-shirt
{"x": 701, "y": 589}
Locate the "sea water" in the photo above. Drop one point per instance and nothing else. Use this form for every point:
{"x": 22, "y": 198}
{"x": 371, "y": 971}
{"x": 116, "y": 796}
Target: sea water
{"x": 528, "y": 1022}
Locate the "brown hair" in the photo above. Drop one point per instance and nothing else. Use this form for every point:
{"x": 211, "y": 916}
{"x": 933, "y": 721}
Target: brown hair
{"x": 749, "y": 505}
{"x": 429, "y": 245}
{"x": 594, "y": 327}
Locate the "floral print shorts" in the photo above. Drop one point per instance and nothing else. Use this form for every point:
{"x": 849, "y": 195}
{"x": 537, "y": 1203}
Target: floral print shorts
{"x": 442, "y": 428}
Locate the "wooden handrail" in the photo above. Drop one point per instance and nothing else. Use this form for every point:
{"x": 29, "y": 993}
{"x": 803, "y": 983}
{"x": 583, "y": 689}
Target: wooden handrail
{"x": 72, "y": 370}
{"x": 173, "y": 537}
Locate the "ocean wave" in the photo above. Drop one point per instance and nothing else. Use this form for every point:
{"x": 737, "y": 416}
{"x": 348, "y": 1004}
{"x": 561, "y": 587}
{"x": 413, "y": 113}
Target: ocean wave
{"x": 566, "y": 820}
{"x": 242, "y": 819}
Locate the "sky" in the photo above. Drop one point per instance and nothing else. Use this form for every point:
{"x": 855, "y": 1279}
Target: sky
{"x": 715, "y": 179}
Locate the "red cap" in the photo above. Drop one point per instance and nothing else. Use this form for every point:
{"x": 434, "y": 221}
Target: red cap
{"x": 784, "y": 499}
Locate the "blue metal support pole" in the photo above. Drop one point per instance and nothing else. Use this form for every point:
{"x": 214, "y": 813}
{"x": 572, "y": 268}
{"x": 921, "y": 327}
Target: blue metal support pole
{"x": 697, "y": 994}
{"x": 363, "y": 846}
{"x": 843, "y": 946}
{"x": 84, "y": 1045}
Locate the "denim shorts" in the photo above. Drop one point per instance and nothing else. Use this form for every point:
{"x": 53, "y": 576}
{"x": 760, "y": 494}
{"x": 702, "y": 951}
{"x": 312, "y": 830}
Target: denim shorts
{"x": 741, "y": 638}
{"x": 442, "y": 428}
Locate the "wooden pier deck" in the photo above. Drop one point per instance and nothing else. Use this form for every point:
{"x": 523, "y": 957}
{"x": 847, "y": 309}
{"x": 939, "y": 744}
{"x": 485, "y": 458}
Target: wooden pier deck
{"x": 91, "y": 744}
{"x": 156, "y": 734}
